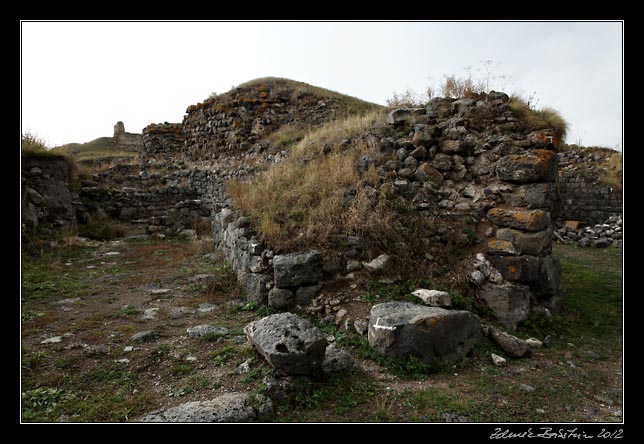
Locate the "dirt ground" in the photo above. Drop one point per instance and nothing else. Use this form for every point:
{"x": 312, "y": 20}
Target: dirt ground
{"x": 83, "y": 305}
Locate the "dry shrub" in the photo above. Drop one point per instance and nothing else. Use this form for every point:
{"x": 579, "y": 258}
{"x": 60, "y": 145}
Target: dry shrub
{"x": 406, "y": 99}
{"x": 456, "y": 87}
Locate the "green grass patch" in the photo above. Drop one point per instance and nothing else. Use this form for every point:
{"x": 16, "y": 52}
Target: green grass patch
{"x": 335, "y": 398}
{"x": 222, "y": 355}
{"x": 591, "y": 282}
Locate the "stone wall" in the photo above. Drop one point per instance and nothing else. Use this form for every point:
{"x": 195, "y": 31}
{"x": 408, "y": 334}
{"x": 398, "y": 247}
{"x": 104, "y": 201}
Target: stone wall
{"x": 583, "y": 197}
{"x": 235, "y": 122}
{"x": 125, "y": 141}
{"x": 473, "y": 160}
{"x": 46, "y": 195}
{"x": 162, "y": 142}
{"x": 454, "y": 161}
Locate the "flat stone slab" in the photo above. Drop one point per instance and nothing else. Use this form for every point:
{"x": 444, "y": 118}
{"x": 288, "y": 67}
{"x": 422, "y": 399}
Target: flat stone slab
{"x": 432, "y": 334}
{"x": 288, "y": 342}
{"x": 229, "y": 407}
{"x": 203, "y": 330}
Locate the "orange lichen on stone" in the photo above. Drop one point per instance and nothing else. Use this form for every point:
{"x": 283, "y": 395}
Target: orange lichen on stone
{"x": 519, "y": 218}
{"x": 548, "y": 137}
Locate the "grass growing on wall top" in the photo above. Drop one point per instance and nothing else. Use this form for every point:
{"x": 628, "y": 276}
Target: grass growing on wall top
{"x": 103, "y": 148}
{"x": 347, "y": 105}
{"x": 538, "y": 118}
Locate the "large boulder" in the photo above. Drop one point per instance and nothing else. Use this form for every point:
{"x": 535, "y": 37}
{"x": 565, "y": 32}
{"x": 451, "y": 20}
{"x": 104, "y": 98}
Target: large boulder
{"x": 535, "y": 166}
{"x": 520, "y": 218}
{"x": 528, "y": 243}
{"x": 297, "y": 269}
{"x": 433, "y": 335}
{"x": 510, "y": 302}
{"x": 288, "y": 342}
{"x": 229, "y": 407}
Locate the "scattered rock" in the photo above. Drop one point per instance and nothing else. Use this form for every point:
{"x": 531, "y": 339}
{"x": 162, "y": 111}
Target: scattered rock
{"x": 204, "y": 329}
{"x": 499, "y": 361}
{"x": 244, "y": 367}
{"x": 353, "y": 266}
{"x": 432, "y": 334}
{"x": 143, "y": 336}
{"x": 339, "y": 316}
{"x": 179, "y": 312}
{"x": 337, "y": 360}
{"x": 477, "y": 277}
{"x": 547, "y": 341}
{"x": 98, "y": 349}
{"x": 509, "y": 344}
{"x": 451, "y": 417}
{"x": 526, "y": 388}
{"x": 601, "y": 243}
{"x": 150, "y": 314}
{"x": 128, "y": 349}
{"x": 433, "y": 298}
{"x": 52, "y": 340}
{"x": 206, "y": 307}
{"x": 288, "y": 342}
{"x": 159, "y": 291}
{"x": 229, "y": 407}
{"x": 378, "y": 264}
{"x": 68, "y": 301}
{"x": 361, "y": 326}
{"x": 112, "y": 253}
{"x": 534, "y": 343}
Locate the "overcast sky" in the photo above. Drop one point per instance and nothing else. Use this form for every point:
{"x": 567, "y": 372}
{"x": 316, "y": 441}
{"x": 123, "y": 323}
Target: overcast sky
{"x": 80, "y": 78}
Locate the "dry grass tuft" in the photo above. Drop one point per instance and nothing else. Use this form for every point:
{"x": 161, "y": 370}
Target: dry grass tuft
{"x": 613, "y": 174}
{"x": 302, "y": 201}
{"x": 539, "y": 119}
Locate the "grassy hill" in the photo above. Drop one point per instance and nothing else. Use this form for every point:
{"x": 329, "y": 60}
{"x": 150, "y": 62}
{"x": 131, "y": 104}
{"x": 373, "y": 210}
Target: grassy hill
{"x": 103, "y": 149}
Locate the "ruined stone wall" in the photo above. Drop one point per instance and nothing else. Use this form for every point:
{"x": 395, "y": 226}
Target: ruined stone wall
{"x": 482, "y": 164}
{"x": 162, "y": 142}
{"x": 125, "y": 141}
{"x": 46, "y": 195}
{"x": 454, "y": 162}
{"x": 583, "y": 197}
{"x": 236, "y": 122}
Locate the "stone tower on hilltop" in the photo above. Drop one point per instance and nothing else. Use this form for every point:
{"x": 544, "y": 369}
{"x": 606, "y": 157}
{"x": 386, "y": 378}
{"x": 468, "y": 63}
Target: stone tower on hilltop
{"x": 126, "y": 141}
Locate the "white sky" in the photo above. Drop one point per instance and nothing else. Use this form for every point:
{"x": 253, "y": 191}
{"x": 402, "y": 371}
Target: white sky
{"x": 80, "y": 78}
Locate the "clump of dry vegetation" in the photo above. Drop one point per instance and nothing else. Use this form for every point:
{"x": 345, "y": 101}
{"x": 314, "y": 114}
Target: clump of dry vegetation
{"x": 300, "y": 200}
{"x": 274, "y": 86}
{"x": 613, "y": 174}
{"x": 33, "y": 145}
{"x": 538, "y": 118}
{"x": 408, "y": 99}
